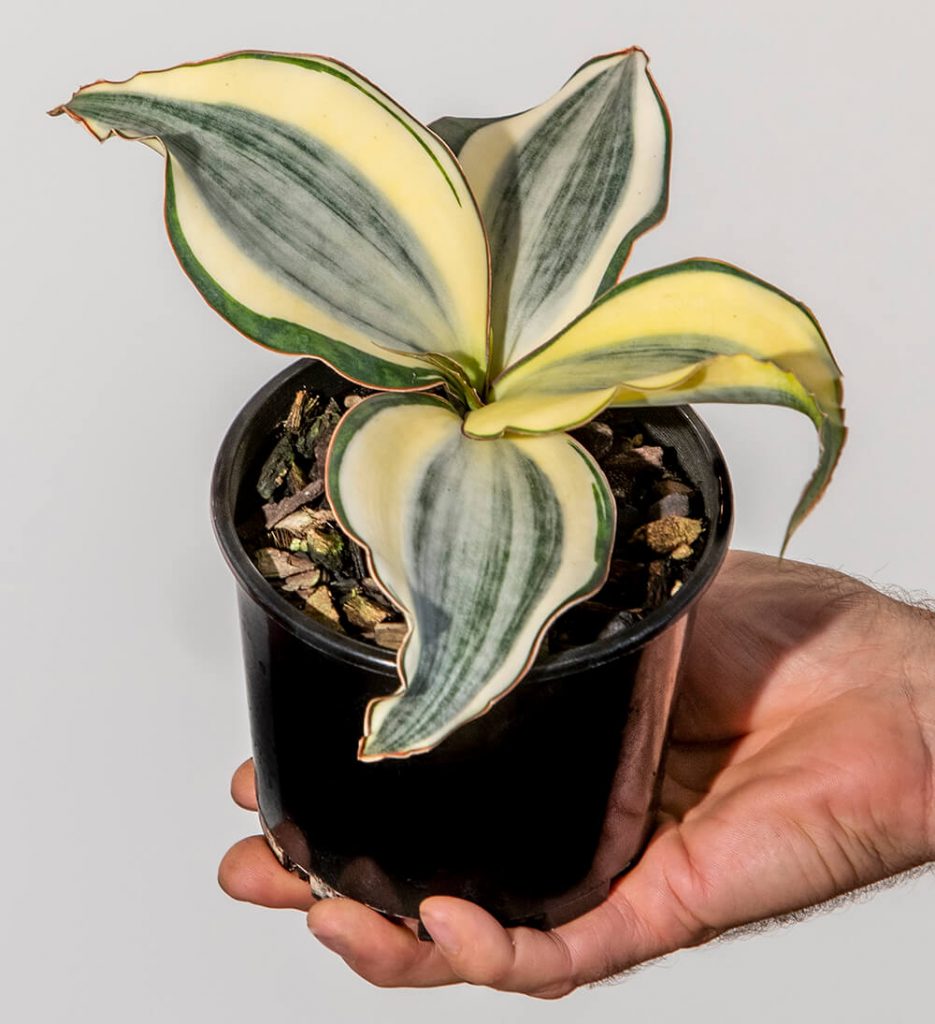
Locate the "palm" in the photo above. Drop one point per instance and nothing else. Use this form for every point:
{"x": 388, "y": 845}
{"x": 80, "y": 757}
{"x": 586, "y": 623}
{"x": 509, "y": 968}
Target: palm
{"x": 796, "y": 772}
{"x": 777, "y": 761}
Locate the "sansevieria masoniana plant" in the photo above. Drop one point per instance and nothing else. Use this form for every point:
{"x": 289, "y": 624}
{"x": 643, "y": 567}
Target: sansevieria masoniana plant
{"x": 470, "y": 271}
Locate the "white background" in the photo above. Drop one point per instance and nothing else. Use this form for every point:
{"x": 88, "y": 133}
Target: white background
{"x": 803, "y": 151}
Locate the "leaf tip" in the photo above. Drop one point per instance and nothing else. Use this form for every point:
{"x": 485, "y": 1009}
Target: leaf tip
{"x": 65, "y": 108}
{"x": 371, "y": 749}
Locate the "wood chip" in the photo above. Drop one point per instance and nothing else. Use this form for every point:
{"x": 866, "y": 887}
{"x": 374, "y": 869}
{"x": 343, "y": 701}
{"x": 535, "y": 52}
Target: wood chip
{"x": 376, "y": 593}
{"x": 276, "y": 512}
{"x": 293, "y": 421}
{"x": 674, "y": 504}
{"x": 311, "y": 533}
{"x": 390, "y": 634}
{"x": 326, "y": 424}
{"x": 650, "y": 454}
{"x": 313, "y": 422}
{"x": 320, "y": 605}
{"x": 664, "y": 487}
{"x": 310, "y": 413}
{"x": 295, "y": 479}
{"x": 597, "y": 437}
{"x": 656, "y": 584}
{"x": 298, "y": 523}
{"x": 343, "y": 585}
{"x": 665, "y": 535}
{"x": 626, "y": 470}
{"x": 275, "y": 468}
{"x": 362, "y": 612}
{"x": 276, "y": 564}
{"x": 302, "y": 581}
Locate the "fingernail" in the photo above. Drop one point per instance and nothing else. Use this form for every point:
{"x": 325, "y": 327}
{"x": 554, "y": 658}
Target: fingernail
{"x": 440, "y": 928}
{"x": 332, "y": 940}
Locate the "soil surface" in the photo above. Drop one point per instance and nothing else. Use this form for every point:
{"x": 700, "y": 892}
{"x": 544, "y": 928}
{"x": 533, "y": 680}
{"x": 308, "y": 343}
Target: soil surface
{"x": 295, "y": 542}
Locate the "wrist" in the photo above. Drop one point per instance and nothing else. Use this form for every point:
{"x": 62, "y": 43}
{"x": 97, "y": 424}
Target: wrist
{"x": 920, "y": 687}
{"x": 893, "y": 663}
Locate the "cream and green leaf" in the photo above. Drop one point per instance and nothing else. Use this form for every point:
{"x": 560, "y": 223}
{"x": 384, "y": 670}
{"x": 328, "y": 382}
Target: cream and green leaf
{"x": 564, "y": 189}
{"x": 300, "y": 197}
{"x": 481, "y": 258}
{"x": 481, "y": 543}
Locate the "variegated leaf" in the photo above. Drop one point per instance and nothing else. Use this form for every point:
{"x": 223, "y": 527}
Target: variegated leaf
{"x": 481, "y": 543}
{"x": 312, "y": 211}
{"x": 698, "y": 331}
{"x": 565, "y": 188}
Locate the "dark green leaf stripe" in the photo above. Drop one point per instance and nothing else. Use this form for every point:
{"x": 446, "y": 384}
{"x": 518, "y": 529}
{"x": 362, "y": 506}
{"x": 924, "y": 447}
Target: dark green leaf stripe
{"x": 455, "y": 131}
{"x": 301, "y": 212}
{"x": 626, "y": 360}
{"x": 281, "y": 335}
{"x": 606, "y": 514}
{"x": 653, "y": 217}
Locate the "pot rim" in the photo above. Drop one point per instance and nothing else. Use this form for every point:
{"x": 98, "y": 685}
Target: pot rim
{"x": 224, "y": 493}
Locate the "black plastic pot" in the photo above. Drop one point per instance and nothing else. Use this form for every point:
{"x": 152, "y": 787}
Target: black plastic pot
{"x": 530, "y": 810}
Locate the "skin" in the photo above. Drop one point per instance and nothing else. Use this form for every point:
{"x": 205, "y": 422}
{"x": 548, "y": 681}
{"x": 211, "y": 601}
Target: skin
{"x": 801, "y": 768}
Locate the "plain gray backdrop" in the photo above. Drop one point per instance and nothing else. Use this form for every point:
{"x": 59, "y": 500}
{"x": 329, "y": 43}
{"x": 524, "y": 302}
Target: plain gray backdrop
{"x": 803, "y": 151}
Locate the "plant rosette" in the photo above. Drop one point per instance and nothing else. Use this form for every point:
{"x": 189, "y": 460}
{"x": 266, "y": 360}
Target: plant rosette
{"x": 471, "y": 272}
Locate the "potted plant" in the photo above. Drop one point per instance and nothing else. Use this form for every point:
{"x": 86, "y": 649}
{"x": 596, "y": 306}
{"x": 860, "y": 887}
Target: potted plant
{"x": 470, "y": 272}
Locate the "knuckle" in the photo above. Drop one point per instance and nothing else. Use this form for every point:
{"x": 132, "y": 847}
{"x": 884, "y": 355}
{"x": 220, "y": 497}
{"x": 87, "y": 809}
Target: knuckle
{"x": 494, "y": 968}
{"x": 563, "y": 980}
{"x": 688, "y": 892}
{"x": 555, "y": 990}
{"x": 492, "y": 975}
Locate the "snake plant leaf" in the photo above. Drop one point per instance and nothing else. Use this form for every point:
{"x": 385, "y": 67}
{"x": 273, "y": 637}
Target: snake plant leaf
{"x": 312, "y": 211}
{"x": 481, "y": 543}
{"x": 564, "y": 189}
{"x": 696, "y": 331}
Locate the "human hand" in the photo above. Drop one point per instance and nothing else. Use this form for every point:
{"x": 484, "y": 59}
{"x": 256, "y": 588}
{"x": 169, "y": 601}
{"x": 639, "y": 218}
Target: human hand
{"x": 801, "y": 768}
